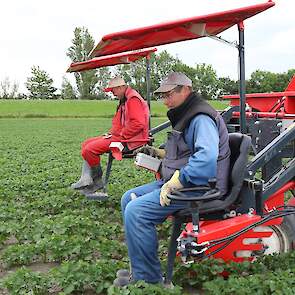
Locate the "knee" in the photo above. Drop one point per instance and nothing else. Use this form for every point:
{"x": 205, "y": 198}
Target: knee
{"x": 86, "y": 149}
{"x": 84, "y": 152}
{"x": 131, "y": 214}
{"x": 85, "y": 142}
{"x": 126, "y": 198}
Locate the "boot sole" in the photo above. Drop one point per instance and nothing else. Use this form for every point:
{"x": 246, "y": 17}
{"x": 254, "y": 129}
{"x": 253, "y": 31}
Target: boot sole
{"x": 98, "y": 196}
{"x": 80, "y": 187}
{"x": 91, "y": 189}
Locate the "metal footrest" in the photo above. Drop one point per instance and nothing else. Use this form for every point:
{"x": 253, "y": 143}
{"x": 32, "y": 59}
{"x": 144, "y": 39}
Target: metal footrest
{"x": 97, "y": 196}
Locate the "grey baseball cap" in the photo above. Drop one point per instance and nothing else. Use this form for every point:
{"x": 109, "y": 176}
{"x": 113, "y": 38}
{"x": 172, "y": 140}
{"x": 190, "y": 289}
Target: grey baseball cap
{"x": 173, "y": 80}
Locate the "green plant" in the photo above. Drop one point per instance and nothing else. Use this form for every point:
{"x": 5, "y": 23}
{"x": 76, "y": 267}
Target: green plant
{"x": 25, "y": 281}
{"x": 41, "y": 220}
{"x": 142, "y": 288}
{"x": 278, "y": 282}
{"x": 81, "y": 276}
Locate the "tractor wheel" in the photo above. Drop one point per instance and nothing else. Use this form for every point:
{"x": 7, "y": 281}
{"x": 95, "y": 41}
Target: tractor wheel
{"x": 289, "y": 220}
{"x": 282, "y": 239}
{"x": 278, "y": 242}
{"x": 288, "y": 226}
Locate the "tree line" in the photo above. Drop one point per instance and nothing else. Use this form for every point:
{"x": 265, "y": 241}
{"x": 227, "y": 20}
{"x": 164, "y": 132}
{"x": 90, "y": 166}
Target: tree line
{"x": 90, "y": 84}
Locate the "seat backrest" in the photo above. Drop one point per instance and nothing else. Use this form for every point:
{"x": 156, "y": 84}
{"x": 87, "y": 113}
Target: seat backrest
{"x": 239, "y": 146}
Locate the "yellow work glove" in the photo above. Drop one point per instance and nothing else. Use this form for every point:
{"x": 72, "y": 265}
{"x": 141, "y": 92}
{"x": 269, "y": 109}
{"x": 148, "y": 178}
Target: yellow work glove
{"x": 152, "y": 151}
{"x": 166, "y": 189}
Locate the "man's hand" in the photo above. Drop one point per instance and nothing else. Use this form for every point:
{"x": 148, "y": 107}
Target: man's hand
{"x": 152, "y": 151}
{"x": 166, "y": 189}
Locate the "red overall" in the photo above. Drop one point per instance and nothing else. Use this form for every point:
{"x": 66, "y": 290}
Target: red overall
{"x": 130, "y": 122}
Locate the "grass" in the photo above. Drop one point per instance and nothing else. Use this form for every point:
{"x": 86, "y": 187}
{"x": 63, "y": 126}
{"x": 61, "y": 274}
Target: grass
{"x": 51, "y": 238}
{"x": 74, "y": 108}
{"x": 42, "y": 221}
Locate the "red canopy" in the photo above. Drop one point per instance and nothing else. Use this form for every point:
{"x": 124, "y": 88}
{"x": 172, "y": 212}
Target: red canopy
{"x": 110, "y": 60}
{"x": 175, "y": 31}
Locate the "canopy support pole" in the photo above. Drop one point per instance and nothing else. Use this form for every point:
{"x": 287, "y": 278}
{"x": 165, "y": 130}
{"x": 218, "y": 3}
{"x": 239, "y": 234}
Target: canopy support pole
{"x": 224, "y": 41}
{"x": 148, "y": 80}
{"x": 241, "y": 47}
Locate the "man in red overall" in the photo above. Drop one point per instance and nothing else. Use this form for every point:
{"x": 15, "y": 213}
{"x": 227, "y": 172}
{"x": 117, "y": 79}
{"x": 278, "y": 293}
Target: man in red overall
{"x": 131, "y": 122}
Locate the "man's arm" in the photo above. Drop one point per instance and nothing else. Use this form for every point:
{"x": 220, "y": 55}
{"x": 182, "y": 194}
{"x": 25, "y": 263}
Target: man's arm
{"x": 203, "y": 139}
{"x": 136, "y": 119}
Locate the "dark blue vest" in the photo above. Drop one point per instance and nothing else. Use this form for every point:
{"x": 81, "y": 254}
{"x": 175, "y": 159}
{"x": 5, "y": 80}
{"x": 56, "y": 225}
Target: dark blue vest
{"x": 178, "y": 152}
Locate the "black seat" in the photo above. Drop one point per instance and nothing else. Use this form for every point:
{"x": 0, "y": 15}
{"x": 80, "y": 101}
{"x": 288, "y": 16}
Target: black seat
{"x": 239, "y": 147}
{"x": 211, "y": 203}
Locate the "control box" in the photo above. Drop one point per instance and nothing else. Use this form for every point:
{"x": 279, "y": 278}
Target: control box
{"x": 148, "y": 162}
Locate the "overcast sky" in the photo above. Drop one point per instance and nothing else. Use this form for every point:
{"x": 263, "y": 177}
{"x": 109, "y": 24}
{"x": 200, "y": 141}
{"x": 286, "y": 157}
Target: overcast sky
{"x": 35, "y": 32}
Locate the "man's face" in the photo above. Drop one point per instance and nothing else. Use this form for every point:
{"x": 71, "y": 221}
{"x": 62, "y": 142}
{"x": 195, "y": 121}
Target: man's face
{"x": 175, "y": 97}
{"x": 119, "y": 91}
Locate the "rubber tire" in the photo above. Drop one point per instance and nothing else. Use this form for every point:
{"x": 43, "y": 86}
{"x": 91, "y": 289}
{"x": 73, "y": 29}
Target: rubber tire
{"x": 288, "y": 226}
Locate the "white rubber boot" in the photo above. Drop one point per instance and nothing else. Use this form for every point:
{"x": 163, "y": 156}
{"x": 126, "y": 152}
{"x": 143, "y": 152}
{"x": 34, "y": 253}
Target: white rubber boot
{"x": 86, "y": 177}
{"x": 96, "y": 173}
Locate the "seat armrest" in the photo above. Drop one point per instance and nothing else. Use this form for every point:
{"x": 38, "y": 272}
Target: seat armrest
{"x": 143, "y": 140}
{"x": 210, "y": 195}
{"x": 195, "y": 189}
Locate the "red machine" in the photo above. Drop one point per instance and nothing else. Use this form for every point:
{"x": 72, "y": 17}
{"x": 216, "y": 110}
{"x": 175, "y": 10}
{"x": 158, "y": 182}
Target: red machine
{"x": 267, "y": 115}
{"x": 253, "y": 218}
{"x": 279, "y": 105}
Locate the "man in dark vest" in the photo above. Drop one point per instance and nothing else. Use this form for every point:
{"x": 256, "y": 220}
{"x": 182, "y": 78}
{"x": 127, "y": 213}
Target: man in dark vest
{"x": 196, "y": 150}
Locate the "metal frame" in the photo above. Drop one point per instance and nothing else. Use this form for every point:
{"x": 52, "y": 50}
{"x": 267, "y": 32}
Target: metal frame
{"x": 287, "y": 171}
{"x": 242, "y": 80}
{"x": 254, "y": 195}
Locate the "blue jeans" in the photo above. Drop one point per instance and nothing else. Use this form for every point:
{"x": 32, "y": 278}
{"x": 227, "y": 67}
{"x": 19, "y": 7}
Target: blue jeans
{"x": 141, "y": 215}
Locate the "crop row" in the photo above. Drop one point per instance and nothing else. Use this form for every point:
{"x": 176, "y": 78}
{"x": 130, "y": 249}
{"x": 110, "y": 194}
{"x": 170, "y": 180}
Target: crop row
{"x": 54, "y": 241}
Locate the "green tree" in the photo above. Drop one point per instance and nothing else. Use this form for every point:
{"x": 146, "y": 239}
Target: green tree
{"x": 67, "y": 90}
{"x": 207, "y": 83}
{"x": 162, "y": 64}
{"x": 79, "y": 51}
{"x": 265, "y": 81}
{"x": 187, "y": 70}
{"x": 8, "y": 89}
{"x": 134, "y": 75}
{"x": 228, "y": 86}
{"x": 103, "y": 76}
{"x": 290, "y": 75}
{"x": 39, "y": 84}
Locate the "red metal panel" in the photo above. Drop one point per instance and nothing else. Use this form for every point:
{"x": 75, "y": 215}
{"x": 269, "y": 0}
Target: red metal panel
{"x": 277, "y": 199}
{"x": 224, "y": 228}
{"x": 110, "y": 60}
{"x": 290, "y": 104}
{"x": 275, "y": 102}
{"x": 291, "y": 85}
{"x": 176, "y": 31}
{"x": 280, "y": 115}
{"x": 267, "y": 102}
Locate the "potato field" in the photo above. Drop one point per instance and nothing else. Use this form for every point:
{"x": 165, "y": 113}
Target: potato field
{"x": 54, "y": 241}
